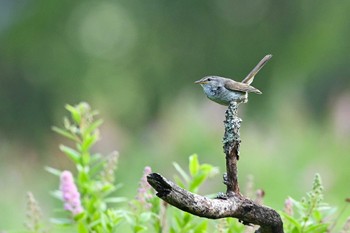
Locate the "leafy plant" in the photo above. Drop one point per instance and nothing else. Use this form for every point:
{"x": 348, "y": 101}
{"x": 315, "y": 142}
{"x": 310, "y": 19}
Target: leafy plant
{"x": 89, "y": 205}
{"x": 310, "y": 214}
{"x": 147, "y": 210}
{"x": 87, "y": 196}
{"x": 198, "y": 173}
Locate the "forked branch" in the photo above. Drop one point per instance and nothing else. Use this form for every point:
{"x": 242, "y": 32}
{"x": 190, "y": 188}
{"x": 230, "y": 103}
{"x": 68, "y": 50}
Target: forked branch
{"x": 231, "y": 204}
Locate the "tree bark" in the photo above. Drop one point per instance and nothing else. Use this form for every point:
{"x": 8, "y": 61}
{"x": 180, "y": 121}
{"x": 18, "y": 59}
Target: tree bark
{"x": 231, "y": 204}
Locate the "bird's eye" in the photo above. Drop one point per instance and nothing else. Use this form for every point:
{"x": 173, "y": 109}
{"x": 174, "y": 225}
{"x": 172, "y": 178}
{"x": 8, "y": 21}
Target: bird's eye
{"x": 208, "y": 79}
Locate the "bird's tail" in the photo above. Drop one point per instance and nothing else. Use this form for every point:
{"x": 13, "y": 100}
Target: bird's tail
{"x": 250, "y": 77}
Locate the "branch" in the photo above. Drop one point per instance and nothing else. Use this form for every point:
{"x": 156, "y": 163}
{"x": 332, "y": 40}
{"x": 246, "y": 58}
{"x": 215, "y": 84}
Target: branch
{"x": 231, "y": 204}
{"x": 244, "y": 209}
{"x": 231, "y": 143}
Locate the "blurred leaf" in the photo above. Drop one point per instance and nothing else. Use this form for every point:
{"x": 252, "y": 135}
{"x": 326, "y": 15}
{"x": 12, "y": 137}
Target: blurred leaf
{"x": 53, "y": 171}
{"x": 187, "y": 218}
{"x": 74, "y": 112}
{"x": 115, "y": 199}
{"x": 80, "y": 216}
{"x": 179, "y": 182}
{"x": 64, "y": 133}
{"x": 208, "y": 169}
{"x": 316, "y": 228}
{"x": 83, "y": 175}
{"x": 317, "y": 215}
{"x": 292, "y": 220}
{"x": 139, "y": 228}
{"x": 145, "y": 216}
{"x": 85, "y": 157}
{"x": 88, "y": 142}
{"x": 56, "y": 194}
{"x": 61, "y": 221}
{"x": 82, "y": 228}
{"x": 94, "y": 223}
{"x": 197, "y": 181}
{"x": 193, "y": 165}
{"x": 202, "y": 227}
{"x": 92, "y": 127}
{"x": 71, "y": 153}
{"x": 181, "y": 172}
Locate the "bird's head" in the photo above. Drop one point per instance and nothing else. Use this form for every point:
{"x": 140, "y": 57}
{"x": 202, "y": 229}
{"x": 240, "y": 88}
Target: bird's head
{"x": 210, "y": 81}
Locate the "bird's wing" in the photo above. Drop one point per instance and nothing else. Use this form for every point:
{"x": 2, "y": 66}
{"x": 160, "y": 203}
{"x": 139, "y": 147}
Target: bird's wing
{"x": 237, "y": 86}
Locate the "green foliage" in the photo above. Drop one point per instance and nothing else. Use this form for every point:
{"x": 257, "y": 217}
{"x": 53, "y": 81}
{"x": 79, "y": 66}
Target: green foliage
{"x": 147, "y": 210}
{"x": 95, "y": 174}
{"x": 198, "y": 173}
{"x": 147, "y": 213}
{"x": 34, "y": 222}
{"x": 311, "y": 215}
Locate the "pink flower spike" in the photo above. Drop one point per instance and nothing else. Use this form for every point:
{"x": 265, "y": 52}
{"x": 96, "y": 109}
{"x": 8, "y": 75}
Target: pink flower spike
{"x": 70, "y": 194}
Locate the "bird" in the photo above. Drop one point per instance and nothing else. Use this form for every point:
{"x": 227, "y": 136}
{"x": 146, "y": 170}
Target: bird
{"x": 224, "y": 90}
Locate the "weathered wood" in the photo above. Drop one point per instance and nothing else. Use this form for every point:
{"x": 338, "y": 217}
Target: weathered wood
{"x": 231, "y": 143}
{"x": 231, "y": 204}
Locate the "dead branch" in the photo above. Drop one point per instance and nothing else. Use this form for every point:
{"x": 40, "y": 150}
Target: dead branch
{"x": 231, "y": 204}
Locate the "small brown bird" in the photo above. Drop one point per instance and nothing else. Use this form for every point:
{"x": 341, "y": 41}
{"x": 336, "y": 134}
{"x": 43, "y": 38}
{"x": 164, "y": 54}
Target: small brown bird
{"x": 223, "y": 90}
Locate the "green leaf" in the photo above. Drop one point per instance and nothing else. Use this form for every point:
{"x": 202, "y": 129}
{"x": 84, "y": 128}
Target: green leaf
{"x": 112, "y": 189}
{"x": 83, "y": 175}
{"x": 74, "y": 112}
{"x": 178, "y": 219}
{"x": 181, "y": 172}
{"x": 179, "y": 182}
{"x": 85, "y": 158}
{"x": 64, "y": 133}
{"x": 82, "y": 228}
{"x": 80, "y": 216}
{"x": 53, "y": 171}
{"x": 317, "y": 215}
{"x": 292, "y": 220}
{"x": 208, "y": 169}
{"x": 318, "y": 228}
{"x": 56, "y": 194}
{"x": 61, "y": 221}
{"x": 202, "y": 227}
{"x": 196, "y": 182}
{"x": 116, "y": 199}
{"x": 88, "y": 142}
{"x": 193, "y": 165}
{"x": 145, "y": 216}
{"x": 139, "y": 228}
{"x": 187, "y": 218}
{"x": 71, "y": 153}
{"x": 94, "y": 223}
{"x": 205, "y": 170}
{"x": 92, "y": 127}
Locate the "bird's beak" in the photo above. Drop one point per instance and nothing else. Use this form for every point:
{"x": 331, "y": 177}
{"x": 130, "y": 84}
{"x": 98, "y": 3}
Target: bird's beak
{"x": 200, "y": 82}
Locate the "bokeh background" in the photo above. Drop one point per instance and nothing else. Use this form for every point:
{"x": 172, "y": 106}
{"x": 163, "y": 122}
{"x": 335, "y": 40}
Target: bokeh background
{"x": 136, "y": 61}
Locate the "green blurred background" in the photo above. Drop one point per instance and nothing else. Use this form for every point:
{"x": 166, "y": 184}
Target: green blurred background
{"x": 135, "y": 61}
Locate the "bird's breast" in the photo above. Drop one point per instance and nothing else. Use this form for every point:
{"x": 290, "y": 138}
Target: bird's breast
{"x": 224, "y": 96}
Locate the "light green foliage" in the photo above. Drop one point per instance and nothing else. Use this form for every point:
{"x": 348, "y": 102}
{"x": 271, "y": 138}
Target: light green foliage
{"x": 185, "y": 222}
{"x": 310, "y": 214}
{"x": 198, "y": 173}
{"x": 147, "y": 210}
{"x": 34, "y": 223}
{"x": 148, "y": 213}
{"x": 95, "y": 173}
{"x": 229, "y": 225}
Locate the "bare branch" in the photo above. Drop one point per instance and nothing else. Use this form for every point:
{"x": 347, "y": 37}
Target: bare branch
{"x": 231, "y": 204}
{"x": 235, "y": 206}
